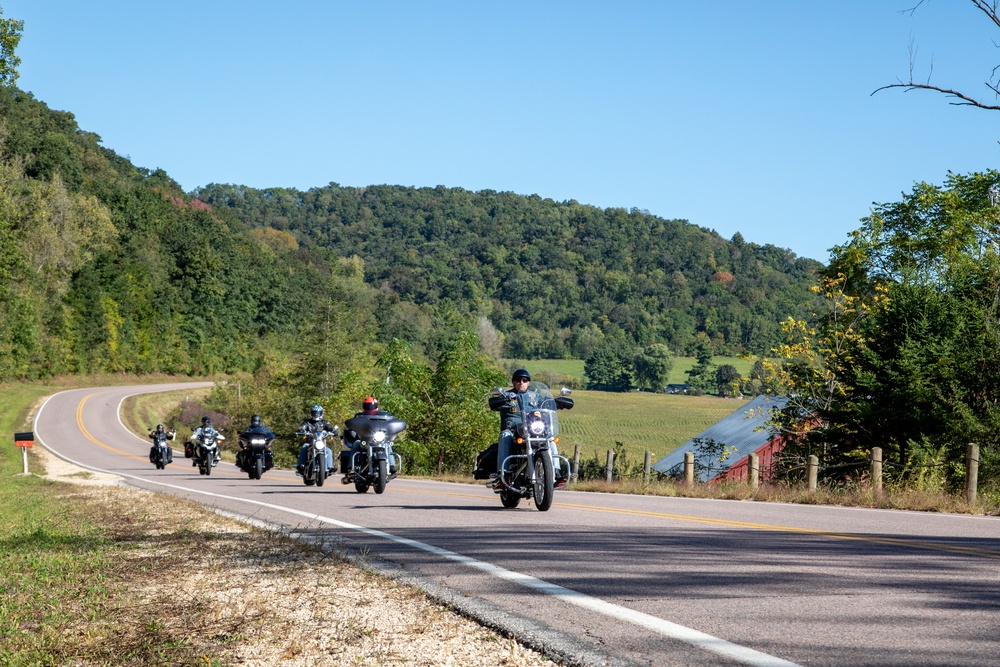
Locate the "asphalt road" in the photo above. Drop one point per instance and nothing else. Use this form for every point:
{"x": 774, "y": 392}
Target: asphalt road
{"x": 614, "y": 579}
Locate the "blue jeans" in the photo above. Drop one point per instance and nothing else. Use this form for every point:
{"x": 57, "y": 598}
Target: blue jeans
{"x": 305, "y": 449}
{"x": 503, "y": 451}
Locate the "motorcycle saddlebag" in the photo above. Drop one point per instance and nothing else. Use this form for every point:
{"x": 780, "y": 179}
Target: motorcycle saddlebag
{"x": 486, "y": 463}
{"x": 188, "y": 450}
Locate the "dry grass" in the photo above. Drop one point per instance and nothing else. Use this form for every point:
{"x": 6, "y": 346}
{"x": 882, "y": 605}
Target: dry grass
{"x": 180, "y": 585}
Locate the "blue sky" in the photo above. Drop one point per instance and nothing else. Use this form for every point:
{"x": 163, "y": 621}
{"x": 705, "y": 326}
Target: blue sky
{"x": 750, "y": 117}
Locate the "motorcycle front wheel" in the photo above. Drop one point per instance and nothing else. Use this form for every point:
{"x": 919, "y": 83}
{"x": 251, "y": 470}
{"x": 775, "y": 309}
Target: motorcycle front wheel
{"x": 383, "y": 476}
{"x": 544, "y": 486}
{"x": 258, "y": 467}
{"x": 320, "y": 472}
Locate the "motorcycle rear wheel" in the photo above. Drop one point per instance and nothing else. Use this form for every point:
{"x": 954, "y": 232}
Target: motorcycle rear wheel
{"x": 544, "y": 486}
{"x": 361, "y": 486}
{"x": 510, "y": 499}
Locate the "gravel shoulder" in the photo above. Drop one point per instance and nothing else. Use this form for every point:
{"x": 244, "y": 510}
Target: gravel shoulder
{"x": 237, "y": 594}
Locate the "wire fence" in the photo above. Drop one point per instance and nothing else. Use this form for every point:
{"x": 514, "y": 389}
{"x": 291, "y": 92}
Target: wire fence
{"x": 778, "y": 467}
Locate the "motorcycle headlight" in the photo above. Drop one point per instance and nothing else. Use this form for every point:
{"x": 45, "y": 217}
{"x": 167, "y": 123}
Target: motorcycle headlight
{"x": 379, "y": 437}
{"x": 258, "y": 441}
{"x": 320, "y": 444}
{"x": 537, "y": 427}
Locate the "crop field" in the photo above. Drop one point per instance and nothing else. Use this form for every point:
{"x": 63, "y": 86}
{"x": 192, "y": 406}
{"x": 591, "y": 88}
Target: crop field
{"x": 639, "y": 420}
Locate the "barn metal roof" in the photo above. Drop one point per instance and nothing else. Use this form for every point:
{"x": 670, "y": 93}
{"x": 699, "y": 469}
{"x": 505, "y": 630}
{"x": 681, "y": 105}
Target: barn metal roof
{"x": 743, "y": 429}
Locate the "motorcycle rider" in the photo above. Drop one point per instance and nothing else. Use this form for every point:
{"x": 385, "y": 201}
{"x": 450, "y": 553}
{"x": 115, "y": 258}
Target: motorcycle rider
{"x": 258, "y": 427}
{"x": 314, "y": 424}
{"x": 158, "y": 434}
{"x": 369, "y": 406}
{"x": 510, "y": 419}
{"x": 206, "y": 429}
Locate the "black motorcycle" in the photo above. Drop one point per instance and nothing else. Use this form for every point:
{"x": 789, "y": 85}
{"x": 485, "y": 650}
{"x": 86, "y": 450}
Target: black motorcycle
{"x": 205, "y": 453}
{"x": 528, "y": 471}
{"x": 315, "y": 470}
{"x": 160, "y": 453}
{"x": 369, "y": 460}
{"x": 255, "y": 456}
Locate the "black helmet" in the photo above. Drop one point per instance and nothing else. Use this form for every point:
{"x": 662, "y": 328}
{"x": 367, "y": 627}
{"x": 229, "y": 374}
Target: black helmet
{"x": 316, "y": 411}
{"x": 370, "y": 404}
{"x": 206, "y": 421}
{"x": 159, "y": 428}
{"x": 520, "y": 373}
{"x": 255, "y": 420}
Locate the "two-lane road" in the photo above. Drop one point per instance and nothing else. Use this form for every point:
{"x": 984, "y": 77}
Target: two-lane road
{"x": 616, "y": 579}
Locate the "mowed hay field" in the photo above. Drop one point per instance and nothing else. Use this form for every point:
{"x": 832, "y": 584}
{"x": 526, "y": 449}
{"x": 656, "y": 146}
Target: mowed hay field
{"x": 639, "y": 420}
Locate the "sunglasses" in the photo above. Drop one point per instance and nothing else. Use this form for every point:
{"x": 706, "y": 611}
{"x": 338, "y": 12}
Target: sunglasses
{"x": 520, "y": 380}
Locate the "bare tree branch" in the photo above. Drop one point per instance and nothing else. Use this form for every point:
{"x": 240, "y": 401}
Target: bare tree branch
{"x": 990, "y": 8}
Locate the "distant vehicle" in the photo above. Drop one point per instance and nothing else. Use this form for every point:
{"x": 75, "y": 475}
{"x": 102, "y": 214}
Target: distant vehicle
{"x": 677, "y": 388}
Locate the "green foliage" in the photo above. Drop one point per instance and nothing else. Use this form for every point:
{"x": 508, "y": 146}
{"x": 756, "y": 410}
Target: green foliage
{"x": 10, "y": 37}
{"x": 908, "y": 353}
{"x": 653, "y": 365}
{"x": 446, "y": 408}
{"x": 611, "y": 368}
{"x": 554, "y": 279}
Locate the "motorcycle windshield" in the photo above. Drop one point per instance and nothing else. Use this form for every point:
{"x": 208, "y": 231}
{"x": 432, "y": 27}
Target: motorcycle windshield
{"x": 538, "y": 399}
{"x": 366, "y": 425}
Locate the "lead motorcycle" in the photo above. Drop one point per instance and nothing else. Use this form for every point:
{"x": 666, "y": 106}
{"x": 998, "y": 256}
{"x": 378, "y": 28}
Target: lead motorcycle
{"x": 255, "y": 456}
{"x": 315, "y": 470}
{"x": 205, "y": 453}
{"x": 369, "y": 461}
{"x": 529, "y": 470}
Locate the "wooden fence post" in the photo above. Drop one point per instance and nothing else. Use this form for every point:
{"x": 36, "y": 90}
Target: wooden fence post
{"x": 753, "y": 461}
{"x": 646, "y": 465}
{"x": 576, "y": 463}
{"x": 971, "y": 471}
{"x": 689, "y": 468}
{"x": 813, "y": 472}
{"x": 609, "y": 471}
{"x": 877, "y": 471}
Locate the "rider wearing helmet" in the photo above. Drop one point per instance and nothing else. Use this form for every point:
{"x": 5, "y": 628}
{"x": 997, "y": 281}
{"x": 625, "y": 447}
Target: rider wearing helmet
{"x": 157, "y": 434}
{"x": 314, "y": 424}
{"x": 369, "y": 407}
{"x": 206, "y": 430}
{"x": 509, "y": 419}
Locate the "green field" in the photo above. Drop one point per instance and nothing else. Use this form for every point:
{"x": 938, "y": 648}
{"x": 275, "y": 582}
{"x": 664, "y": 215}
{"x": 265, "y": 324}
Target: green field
{"x": 573, "y": 368}
{"x": 641, "y": 421}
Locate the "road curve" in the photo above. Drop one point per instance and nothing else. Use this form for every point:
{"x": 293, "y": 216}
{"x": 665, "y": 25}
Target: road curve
{"x": 617, "y": 579}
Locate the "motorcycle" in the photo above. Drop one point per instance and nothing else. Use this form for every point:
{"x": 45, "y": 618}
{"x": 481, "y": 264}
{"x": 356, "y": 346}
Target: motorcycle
{"x": 370, "y": 462}
{"x": 255, "y": 456}
{"x": 160, "y": 453}
{"x": 205, "y": 454}
{"x": 315, "y": 470}
{"x": 529, "y": 470}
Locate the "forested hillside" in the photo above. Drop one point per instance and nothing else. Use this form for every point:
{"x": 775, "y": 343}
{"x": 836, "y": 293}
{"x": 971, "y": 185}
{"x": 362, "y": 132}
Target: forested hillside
{"x": 555, "y": 278}
{"x": 105, "y": 266}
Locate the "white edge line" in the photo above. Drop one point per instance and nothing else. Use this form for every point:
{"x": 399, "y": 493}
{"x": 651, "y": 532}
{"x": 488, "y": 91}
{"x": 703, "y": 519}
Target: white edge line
{"x": 660, "y": 626}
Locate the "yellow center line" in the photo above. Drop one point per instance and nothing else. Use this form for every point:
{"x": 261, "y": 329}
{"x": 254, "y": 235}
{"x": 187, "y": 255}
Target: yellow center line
{"x": 856, "y": 537}
{"x": 88, "y": 436}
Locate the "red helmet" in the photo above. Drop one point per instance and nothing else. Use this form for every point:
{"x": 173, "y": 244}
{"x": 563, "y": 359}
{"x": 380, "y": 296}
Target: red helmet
{"x": 370, "y": 404}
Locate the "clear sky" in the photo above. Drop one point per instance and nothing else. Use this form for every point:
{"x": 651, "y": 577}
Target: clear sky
{"x": 738, "y": 116}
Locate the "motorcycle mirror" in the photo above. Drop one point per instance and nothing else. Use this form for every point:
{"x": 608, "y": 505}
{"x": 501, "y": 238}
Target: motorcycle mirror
{"x": 565, "y": 391}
